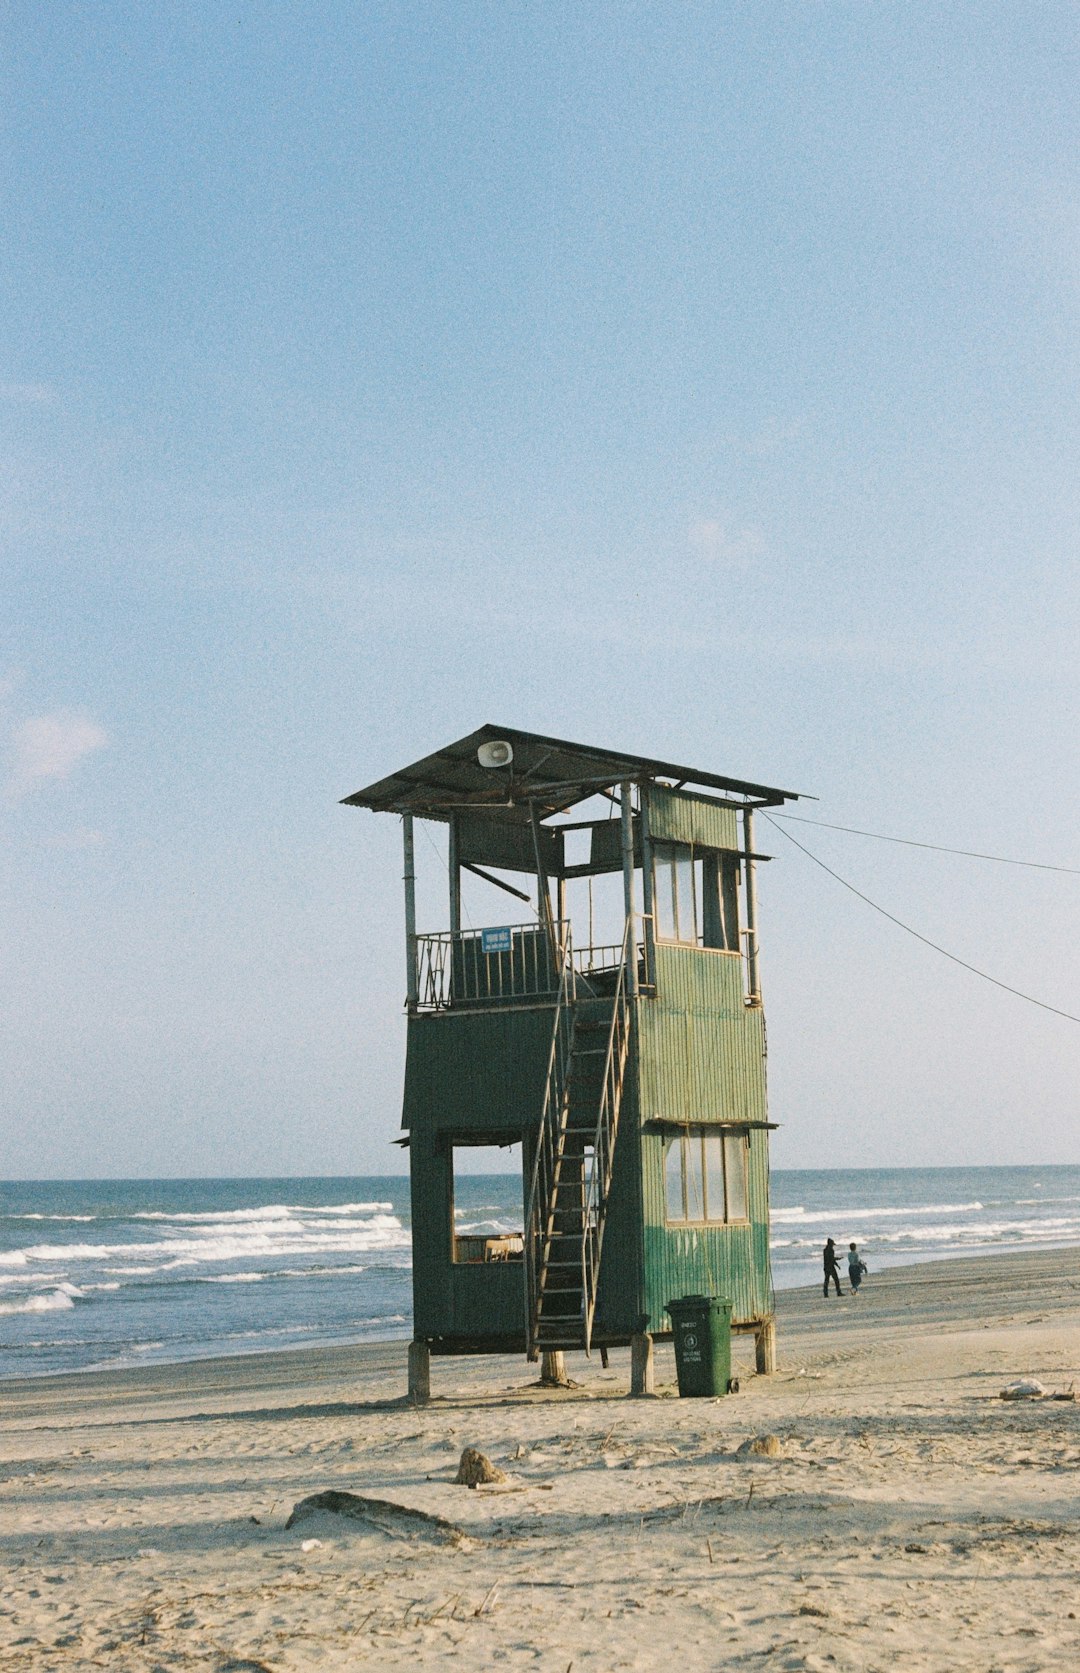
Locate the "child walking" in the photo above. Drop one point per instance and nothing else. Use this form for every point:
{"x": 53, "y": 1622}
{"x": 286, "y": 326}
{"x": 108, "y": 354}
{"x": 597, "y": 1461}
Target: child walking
{"x": 856, "y": 1268}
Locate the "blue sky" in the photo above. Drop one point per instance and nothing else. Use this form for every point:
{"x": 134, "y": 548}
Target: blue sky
{"x": 696, "y": 380}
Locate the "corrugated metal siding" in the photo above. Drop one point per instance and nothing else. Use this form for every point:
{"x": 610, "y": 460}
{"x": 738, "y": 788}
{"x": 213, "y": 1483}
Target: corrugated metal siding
{"x": 701, "y": 1058}
{"x": 470, "y": 1072}
{"x": 701, "y": 1049}
{"x": 620, "y": 1298}
{"x": 698, "y": 1054}
{"x": 477, "y": 1070}
{"x": 433, "y": 1302}
{"x": 731, "y": 1261}
{"x": 675, "y": 816}
{"x": 448, "y": 1299}
{"x": 488, "y": 1300}
{"x": 485, "y": 841}
{"x": 480, "y": 1071}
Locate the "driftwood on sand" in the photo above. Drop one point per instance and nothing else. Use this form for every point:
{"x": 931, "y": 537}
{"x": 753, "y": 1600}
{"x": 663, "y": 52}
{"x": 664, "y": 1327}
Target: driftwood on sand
{"x": 399, "y": 1521}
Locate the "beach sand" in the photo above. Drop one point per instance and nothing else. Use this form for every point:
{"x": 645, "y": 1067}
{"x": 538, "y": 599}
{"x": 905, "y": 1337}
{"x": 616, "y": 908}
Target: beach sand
{"x": 914, "y": 1520}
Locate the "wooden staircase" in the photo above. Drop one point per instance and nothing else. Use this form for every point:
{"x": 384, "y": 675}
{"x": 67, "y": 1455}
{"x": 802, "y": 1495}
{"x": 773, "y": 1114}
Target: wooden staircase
{"x": 572, "y": 1166}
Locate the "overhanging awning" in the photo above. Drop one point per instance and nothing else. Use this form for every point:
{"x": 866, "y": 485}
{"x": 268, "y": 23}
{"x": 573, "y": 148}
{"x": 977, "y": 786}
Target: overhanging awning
{"x": 548, "y": 774}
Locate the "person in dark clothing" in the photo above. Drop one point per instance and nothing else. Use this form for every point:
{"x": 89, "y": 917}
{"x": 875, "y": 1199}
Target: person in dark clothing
{"x": 832, "y": 1268}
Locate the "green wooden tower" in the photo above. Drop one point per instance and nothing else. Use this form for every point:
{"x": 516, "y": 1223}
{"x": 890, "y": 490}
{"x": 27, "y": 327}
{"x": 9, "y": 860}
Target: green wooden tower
{"x": 613, "y": 1035}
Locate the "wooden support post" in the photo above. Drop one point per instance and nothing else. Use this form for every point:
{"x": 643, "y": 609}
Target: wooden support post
{"x": 412, "y": 988}
{"x": 626, "y": 808}
{"x": 553, "y": 1370}
{"x": 753, "y": 974}
{"x": 419, "y": 1373}
{"x": 765, "y": 1347}
{"x": 543, "y": 894}
{"x": 641, "y": 1363}
{"x": 647, "y": 904}
{"x": 454, "y": 868}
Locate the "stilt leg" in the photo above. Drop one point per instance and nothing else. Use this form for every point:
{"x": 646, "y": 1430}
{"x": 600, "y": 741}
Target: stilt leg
{"x": 765, "y": 1347}
{"x": 419, "y": 1373}
{"x": 553, "y": 1370}
{"x": 603, "y": 1358}
{"x": 641, "y": 1363}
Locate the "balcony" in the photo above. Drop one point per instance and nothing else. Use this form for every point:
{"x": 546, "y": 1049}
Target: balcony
{"x": 519, "y": 964}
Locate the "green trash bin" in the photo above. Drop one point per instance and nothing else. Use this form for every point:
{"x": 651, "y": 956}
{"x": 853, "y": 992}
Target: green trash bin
{"x": 702, "y": 1330}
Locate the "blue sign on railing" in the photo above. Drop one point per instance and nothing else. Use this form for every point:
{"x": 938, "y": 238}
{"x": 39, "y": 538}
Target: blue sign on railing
{"x": 495, "y": 940}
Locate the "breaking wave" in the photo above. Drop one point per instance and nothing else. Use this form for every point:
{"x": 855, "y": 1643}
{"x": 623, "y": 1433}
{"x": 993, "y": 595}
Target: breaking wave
{"x": 787, "y": 1216}
{"x": 60, "y": 1300}
{"x": 182, "y": 1270}
{"x": 271, "y": 1211}
{"x": 381, "y": 1231}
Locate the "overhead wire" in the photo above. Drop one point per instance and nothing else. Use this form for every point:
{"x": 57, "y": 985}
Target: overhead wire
{"x": 925, "y": 939}
{"x": 444, "y": 862}
{"x": 936, "y": 847}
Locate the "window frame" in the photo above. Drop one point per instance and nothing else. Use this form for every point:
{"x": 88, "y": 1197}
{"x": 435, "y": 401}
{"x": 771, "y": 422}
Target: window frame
{"x": 710, "y": 877}
{"x": 691, "y": 1169}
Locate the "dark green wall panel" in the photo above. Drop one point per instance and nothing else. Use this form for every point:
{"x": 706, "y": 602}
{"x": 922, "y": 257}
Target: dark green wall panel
{"x": 477, "y": 1070}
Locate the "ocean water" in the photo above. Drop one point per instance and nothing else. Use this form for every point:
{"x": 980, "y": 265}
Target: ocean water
{"x": 102, "y": 1274}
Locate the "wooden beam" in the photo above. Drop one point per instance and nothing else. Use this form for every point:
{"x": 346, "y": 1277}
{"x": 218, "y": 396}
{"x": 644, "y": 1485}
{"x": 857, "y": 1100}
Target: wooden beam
{"x": 626, "y": 808}
{"x": 478, "y": 871}
{"x": 411, "y": 974}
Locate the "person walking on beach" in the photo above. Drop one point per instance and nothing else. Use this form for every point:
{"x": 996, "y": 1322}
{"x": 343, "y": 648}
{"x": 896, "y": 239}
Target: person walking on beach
{"x": 832, "y": 1269}
{"x": 856, "y": 1268}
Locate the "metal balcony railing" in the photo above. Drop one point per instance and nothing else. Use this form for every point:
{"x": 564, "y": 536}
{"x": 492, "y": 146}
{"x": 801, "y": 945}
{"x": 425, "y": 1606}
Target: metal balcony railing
{"x": 456, "y": 970}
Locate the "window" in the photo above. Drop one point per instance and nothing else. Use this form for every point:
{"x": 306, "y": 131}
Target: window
{"x": 721, "y": 908}
{"x": 735, "y": 1153}
{"x": 679, "y": 893}
{"x": 705, "y": 1175}
{"x": 485, "y": 1199}
{"x": 696, "y": 896}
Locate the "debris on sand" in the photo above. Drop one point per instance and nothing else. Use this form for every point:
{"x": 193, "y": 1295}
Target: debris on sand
{"x": 398, "y": 1521}
{"x": 762, "y": 1446}
{"x": 476, "y": 1469}
{"x": 1025, "y": 1388}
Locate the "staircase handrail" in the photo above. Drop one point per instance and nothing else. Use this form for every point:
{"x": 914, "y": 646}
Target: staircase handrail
{"x": 607, "y": 1122}
{"x": 555, "y": 1088}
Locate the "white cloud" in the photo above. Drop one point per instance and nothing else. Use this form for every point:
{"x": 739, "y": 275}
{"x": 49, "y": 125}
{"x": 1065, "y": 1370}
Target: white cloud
{"x": 50, "y": 747}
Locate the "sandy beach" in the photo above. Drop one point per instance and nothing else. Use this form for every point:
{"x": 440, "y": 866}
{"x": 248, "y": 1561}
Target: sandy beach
{"x": 912, "y": 1519}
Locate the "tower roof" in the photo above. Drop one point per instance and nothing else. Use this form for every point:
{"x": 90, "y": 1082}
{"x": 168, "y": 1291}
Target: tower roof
{"x": 549, "y": 774}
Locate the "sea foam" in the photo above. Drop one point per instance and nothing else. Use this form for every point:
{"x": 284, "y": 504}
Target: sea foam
{"x": 56, "y": 1301}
